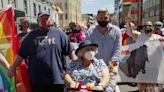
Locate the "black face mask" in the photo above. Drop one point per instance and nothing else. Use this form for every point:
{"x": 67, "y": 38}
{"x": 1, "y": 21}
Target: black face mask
{"x": 148, "y": 30}
{"x": 76, "y": 31}
{"x": 20, "y": 28}
{"x": 103, "y": 23}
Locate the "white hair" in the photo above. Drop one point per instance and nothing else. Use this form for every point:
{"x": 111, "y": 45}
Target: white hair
{"x": 80, "y": 53}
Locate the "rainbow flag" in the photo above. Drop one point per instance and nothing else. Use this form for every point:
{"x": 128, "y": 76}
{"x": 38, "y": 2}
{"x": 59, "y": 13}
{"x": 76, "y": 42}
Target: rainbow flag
{"x": 6, "y": 83}
{"x": 124, "y": 55}
{"x": 112, "y": 65}
{"x": 9, "y": 44}
{"x": 86, "y": 84}
{"x": 8, "y": 35}
{"x": 126, "y": 2}
{"x": 58, "y": 9}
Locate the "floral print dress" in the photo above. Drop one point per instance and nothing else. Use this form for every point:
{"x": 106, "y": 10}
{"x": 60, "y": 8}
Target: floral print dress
{"x": 93, "y": 73}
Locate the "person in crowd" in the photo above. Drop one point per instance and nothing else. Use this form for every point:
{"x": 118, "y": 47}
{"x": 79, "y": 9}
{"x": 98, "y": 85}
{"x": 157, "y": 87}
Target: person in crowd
{"x": 90, "y": 22}
{"x": 145, "y": 35}
{"x": 159, "y": 28}
{"x": 24, "y": 27}
{"x": 88, "y": 67}
{"x": 89, "y": 25}
{"x": 125, "y": 38}
{"x": 77, "y": 35}
{"x": 108, "y": 37}
{"x": 46, "y": 49}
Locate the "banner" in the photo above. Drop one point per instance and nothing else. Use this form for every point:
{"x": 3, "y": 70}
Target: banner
{"x": 142, "y": 63}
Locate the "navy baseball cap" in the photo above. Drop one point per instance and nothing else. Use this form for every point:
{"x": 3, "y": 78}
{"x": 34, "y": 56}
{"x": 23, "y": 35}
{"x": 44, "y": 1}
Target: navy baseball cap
{"x": 41, "y": 13}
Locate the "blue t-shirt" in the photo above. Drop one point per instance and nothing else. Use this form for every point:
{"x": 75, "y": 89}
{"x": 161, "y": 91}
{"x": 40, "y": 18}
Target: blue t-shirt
{"x": 46, "y": 51}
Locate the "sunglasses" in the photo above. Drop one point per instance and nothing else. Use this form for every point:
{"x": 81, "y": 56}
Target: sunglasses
{"x": 148, "y": 26}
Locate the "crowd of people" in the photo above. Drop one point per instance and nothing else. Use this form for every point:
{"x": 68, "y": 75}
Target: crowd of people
{"x": 96, "y": 59}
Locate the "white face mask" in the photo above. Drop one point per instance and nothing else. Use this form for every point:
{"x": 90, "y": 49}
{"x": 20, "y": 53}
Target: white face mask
{"x": 89, "y": 55}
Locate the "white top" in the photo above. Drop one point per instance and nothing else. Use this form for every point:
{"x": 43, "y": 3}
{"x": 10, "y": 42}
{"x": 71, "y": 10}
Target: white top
{"x": 143, "y": 37}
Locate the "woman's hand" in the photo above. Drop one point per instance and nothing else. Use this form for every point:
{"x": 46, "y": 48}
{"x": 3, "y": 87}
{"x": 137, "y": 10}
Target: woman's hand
{"x": 98, "y": 88}
{"x": 74, "y": 85}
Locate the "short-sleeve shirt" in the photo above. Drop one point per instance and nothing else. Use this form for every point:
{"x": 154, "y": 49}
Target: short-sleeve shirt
{"x": 78, "y": 72}
{"x": 46, "y": 51}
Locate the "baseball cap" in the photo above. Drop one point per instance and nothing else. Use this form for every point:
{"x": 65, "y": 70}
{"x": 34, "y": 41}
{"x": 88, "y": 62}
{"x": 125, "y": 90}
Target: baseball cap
{"x": 159, "y": 24}
{"x": 41, "y": 13}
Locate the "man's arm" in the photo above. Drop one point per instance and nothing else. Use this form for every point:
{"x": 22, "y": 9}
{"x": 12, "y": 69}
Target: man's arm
{"x": 105, "y": 79}
{"x": 70, "y": 81}
{"x": 161, "y": 39}
{"x": 12, "y": 70}
{"x": 130, "y": 32}
{"x": 117, "y": 47}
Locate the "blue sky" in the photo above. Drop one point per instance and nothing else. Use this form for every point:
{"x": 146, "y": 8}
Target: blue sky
{"x": 91, "y": 6}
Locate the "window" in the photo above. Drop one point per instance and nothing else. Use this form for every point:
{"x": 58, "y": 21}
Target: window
{"x": 39, "y": 7}
{"x": 15, "y": 4}
{"x": 151, "y": 14}
{"x": 25, "y": 6}
{"x": 65, "y": 5}
{"x": 34, "y": 7}
{"x": 45, "y": 8}
{"x": 66, "y": 17}
{"x": 2, "y": 3}
{"x": 157, "y": 10}
{"x": 49, "y": 11}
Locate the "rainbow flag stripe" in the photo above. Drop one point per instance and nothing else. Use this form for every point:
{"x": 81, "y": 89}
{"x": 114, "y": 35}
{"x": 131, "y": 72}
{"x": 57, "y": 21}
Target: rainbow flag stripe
{"x": 124, "y": 55}
{"x": 6, "y": 83}
{"x": 126, "y": 3}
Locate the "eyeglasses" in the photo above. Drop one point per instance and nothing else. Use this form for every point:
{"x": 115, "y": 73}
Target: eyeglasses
{"x": 148, "y": 26}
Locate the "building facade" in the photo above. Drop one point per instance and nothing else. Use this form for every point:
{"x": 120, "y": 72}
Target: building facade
{"x": 135, "y": 8}
{"x": 136, "y": 12}
{"x": 72, "y": 11}
{"x": 30, "y": 9}
{"x": 153, "y": 10}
